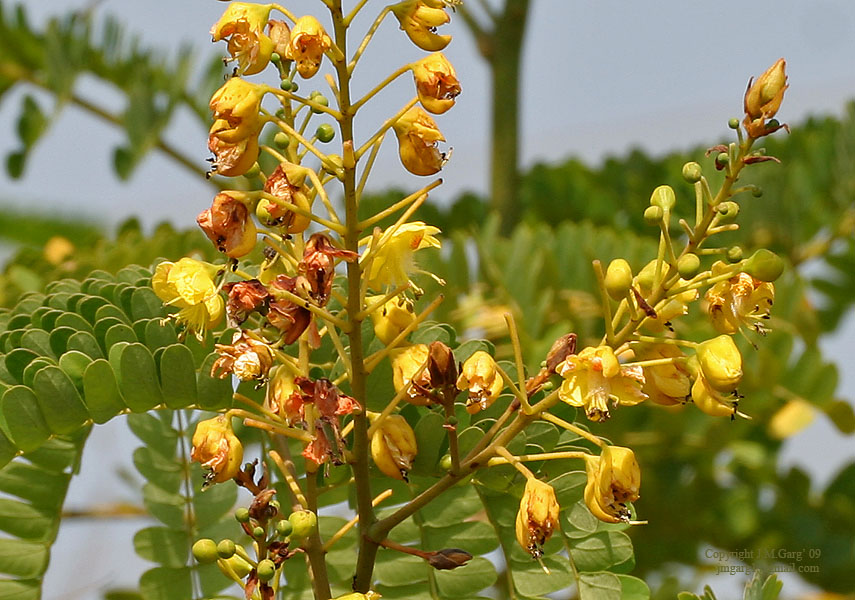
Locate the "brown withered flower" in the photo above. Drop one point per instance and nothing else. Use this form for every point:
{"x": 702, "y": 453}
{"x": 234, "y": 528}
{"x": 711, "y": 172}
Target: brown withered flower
{"x": 442, "y": 367}
{"x": 245, "y": 297}
{"x": 318, "y": 266}
{"x": 287, "y": 183}
{"x": 330, "y": 404}
{"x": 280, "y": 34}
{"x": 763, "y": 99}
{"x": 229, "y": 226}
{"x": 246, "y": 358}
{"x": 286, "y": 316}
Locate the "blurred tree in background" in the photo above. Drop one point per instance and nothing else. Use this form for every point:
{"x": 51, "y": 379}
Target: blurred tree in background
{"x": 527, "y": 249}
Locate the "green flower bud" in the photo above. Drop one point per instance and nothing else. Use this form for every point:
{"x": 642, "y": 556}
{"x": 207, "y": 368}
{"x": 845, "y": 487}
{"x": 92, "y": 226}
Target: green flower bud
{"x": 284, "y": 528}
{"x": 547, "y": 386}
{"x": 325, "y": 132}
{"x": 319, "y": 99}
{"x": 281, "y": 140}
{"x": 274, "y": 57}
{"x": 764, "y": 265}
{"x": 445, "y": 462}
{"x": 721, "y": 159}
{"x": 262, "y": 211}
{"x": 728, "y": 210}
{"x": 280, "y": 113}
{"x": 618, "y": 278}
{"x": 226, "y": 548}
{"x": 692, "y": 172}
{"x": 653, "y": 215}
{"x": 242, "y": 515}
{"x": 259, "y": 533}
{"x": 240, "y": 567}
{"x": 205, "y": 551}
{"x": 664, "y": 197}
{"x": 286, "y": 85}
{"x": 733, "y": 254}
{"x": 294, "y": 86}
{"x": 688, "y": 265}
{"x": 266, "y": 570}
{"x": 452, "y": 420}
{"x": 303, "y": 522}
{"x": 756, "y": 191}
{"x": 733, "y": 123}
{"x": 773, "y": 124}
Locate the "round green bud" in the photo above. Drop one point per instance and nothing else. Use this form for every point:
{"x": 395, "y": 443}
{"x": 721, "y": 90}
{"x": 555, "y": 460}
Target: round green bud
{"x": 733, "y": 254}
{"x": 281, "y": 140}
{"x": 692, "y": 172}
{"x": 325, "y": 132}
{"x": 266, "y": 570}
{"x": 688, "y": 265}
{"x": 275, "y": 58}
{"x": 240, "y": 567}
{"x": 226, "y": 548}
{"x": 452, "y": 420}
{"x": 284, "y": 528}
{"x": 764, "y": 265}
{"x": 733, "y": 123}
{"x": 664, "y": 197}
{"x": 286, "y": 85}
{"x": 728, "y": 210}
{"x": 259, "y": 533}
{"x": 722, "y": 158}
{"x": 445, "y": 462}
{"x": 319, "y": 99}
{"x": 773, "y": 124}
{"x": 253, "y": 171}
{"x": 756, "y": 191}
{"x": 294, "y": 86}
{"x": 205, "y": 551}
{"x": 303, "y": 522}
{"x": 653, "y": 215}
{"x": 242, "y": 515}
{"x": 547, "y": 386}
{"x": 618, "y": 278}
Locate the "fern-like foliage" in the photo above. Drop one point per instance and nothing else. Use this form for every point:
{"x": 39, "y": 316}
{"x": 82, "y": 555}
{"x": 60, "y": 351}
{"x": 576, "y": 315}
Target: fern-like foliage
{"x": 81, "y": 354}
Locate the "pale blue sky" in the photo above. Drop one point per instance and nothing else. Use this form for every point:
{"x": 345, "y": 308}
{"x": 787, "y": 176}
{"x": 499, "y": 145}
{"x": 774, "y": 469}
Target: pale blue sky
{"x": 599, "y": 78}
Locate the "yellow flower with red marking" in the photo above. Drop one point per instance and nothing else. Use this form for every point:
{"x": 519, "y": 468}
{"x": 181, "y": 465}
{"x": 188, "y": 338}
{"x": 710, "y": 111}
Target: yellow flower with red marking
{"x": 614, "y": 480}
{"x": 418, "y": 135}
{"x": 419, "y": 20}
{"x": 243, "y": 26}
{"x": 307, "y": 44}
{"x": 480, "y": 376}
{"x": 740, "y": 301}
{"x": 217, "y": 448}
{"x": 436, "y": 83}
{"x": 537, "y": 517}
{"x": 595, "y": 376}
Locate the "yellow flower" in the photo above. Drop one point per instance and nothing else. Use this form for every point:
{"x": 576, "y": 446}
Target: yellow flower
{"x": 218, "y": 449}
{"x": 243, "y": 24}
{"x": 419, "y": 20}
{"x": 307, "y": 45}
{"x": 238, "y": 104}
{"x": 391, "y": 318}
{"x": 614, "y": 480}
{"x": 740, "y": 300}
{"x": 231, "y": 160}
{"x": 393, "y": 447}
{"x": 406, "y": 362}
{"x": 436, "y": 83}
{"x": 720, "y": 363}
{"x": 189, "y": 286}
{"x": 537, "y": 517}
{"x": 665, "y": 384}
{"x": 418, "y": 135}
{"x": 480, "y": 375}
{"x": 594, "y": 376}
{"x": 712, "y": 401}
{"x": 390, "y": 257}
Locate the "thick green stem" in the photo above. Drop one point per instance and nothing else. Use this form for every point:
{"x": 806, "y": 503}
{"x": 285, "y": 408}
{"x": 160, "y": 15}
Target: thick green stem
{"x": 359, "y": 455}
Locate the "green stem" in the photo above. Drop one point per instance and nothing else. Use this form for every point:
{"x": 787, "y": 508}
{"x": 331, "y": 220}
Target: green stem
{"x": 313, "y": 545}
